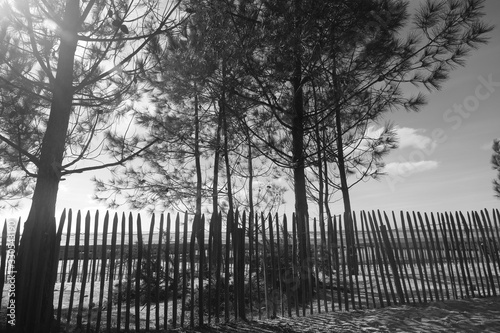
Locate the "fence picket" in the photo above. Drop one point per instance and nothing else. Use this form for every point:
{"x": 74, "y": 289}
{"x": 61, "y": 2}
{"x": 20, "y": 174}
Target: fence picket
{"x": 288, "y": 274}
{"x": 380, "y": 259}
{"x": 176, "y": 271}
{"x": 148, "y": 271}
{"x": 265, "y": 267}
{"x": 109, "y": 304}
{"x": 120, "y": 273}
{"x": 209, "y": 262}
{"x": 158, "y": 267}
{"x": 485, "y": 237}
{"x": 63, "y": 273}
{"x": 251, "y": 267}
{"x": 103, "y": 269}
{"x": 410, "y": 258}
{"x": 392, "y": 261}
{"x": 74, "y": 269}
{"x": 86, "y": 246}
{"x": 365, "y": 231}
{"x": 129, "y": 270}
{"x": 3, "y": 254}
{"x": 337, "y": 261}
{"x": 309, "y": 280}
{"x": 359, "y": 263}
{"x": 138, "y": 270}
{"x": 454, "y": 253}
{"x": 218, "y": 260}
{"x": 470, "y": 254}
{"x": 184, "y": 268}
{"x": 385, "y": 258}
{"x": 399, "y": 265}
{"x": 374, "y": 257}
{"x": 491, "y": 246}
{"x": 92, "y": 274}
{"x": 192, "y": 269}
{"x": 430, "y": 253}
{"x": 279, "y": 268}
{"x": 322, "y": 257}
{"x": 273, "y": 263}
{"x": 167, "y": 272}
{"x": 481, "y": 257}
{"x": 416, "y": 249}
{"x": 316, "y": 264}
{"x": 201, "y": 269}
{"x": 401, "y": 260}
{"x": 257, "y": 266}
{"x": 240, "y": 259}
{"x": 460, "y": 257}
{"x": 295, "y": 265}
{"x": 423, "y": 259}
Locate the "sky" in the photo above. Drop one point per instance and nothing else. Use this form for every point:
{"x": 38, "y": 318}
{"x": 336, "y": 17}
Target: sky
{"x": 442, "y": 164}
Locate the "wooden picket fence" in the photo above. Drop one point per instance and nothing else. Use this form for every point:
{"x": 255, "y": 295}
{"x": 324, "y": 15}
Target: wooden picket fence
{"x": 113, "y": 275}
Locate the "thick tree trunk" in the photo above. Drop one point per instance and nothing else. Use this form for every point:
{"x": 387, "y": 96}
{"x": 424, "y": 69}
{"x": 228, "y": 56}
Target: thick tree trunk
{"x": 36, "y": 257}
{"x": 35, "y": 262}
{"x": 301, "y": 209}
{"x": 298, "y": 158}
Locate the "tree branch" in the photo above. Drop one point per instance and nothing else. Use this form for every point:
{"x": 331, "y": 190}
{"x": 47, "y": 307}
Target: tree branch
{"x": 158, "y": 31}
{"x": 107, "y": 165}
{"x": 85, "y": 147}
{"x": 21, "y": 150}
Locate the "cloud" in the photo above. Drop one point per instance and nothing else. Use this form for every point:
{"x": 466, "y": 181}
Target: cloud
{"x": 415, "y": 138}
{"x": 408, "y": 168}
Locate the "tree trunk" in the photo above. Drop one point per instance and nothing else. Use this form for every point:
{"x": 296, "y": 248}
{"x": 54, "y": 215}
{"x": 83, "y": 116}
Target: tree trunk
{"x": 298, "y": 158}
{"x": 321, "y": 156}
{"x": 36, "y": 258}
{"x": 215, "y": 189}
{"x": 199, "y": 179}
{"x": 326, "y": 180}
{"x": 250, "y": 181}
{"x": 349, "y": 226}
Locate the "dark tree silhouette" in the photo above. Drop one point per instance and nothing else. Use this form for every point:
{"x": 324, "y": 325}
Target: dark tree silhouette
{"x": 354, "y": 54}
{"x": 67, "y": 72}
{"x": 495, "y": 162}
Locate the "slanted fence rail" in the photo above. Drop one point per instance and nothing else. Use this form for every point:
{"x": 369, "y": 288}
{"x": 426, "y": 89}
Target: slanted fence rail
{"x": 112, "y": 274}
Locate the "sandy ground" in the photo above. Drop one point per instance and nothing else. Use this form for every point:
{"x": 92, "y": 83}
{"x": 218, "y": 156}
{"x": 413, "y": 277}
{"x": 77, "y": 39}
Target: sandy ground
{"x": 470, "y": 315}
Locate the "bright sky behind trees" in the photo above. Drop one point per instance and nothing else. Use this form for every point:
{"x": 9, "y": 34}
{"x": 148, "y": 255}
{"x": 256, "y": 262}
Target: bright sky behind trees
{"x": 443, "y": 163}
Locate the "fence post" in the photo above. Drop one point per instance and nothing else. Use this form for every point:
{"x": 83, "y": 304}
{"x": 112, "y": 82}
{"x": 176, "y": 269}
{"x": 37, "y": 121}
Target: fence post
{"x": 201, "y": 268}
{"x": 392, "y": 261}
{"x": 239, "y": 257}
{"x": 3, "y": 255}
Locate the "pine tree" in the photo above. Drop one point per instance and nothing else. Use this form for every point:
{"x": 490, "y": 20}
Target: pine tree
{"x": 67, "y": 71}
{"x": 352, "y": 52}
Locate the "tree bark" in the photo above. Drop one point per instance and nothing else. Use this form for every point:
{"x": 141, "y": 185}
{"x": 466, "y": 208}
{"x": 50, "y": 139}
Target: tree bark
{"x": 36, "y": 257}
{"x": 197, "y": 154}
{"x": 298, "y": 158}
{"x": 349, "y": 226}
{"x": 250, "y": 183}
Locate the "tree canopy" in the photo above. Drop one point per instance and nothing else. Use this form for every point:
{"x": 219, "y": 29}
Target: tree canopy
{"x": 495, "y": 162}
{"x": 68, "y": 75}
